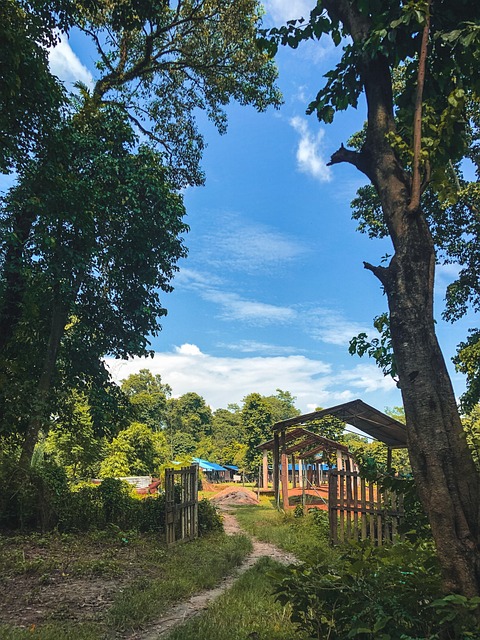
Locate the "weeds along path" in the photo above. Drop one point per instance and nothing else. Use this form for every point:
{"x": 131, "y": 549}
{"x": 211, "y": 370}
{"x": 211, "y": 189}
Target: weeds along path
{"x": 183, "y": 611}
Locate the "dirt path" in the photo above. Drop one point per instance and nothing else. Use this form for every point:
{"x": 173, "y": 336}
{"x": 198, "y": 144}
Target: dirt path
{"x": 183, "y": 611}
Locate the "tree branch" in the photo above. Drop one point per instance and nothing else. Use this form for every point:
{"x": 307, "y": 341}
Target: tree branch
{"x": 414, "y": 203}
{"x": 382, "y": 273}
{"x": 356, "y": 158}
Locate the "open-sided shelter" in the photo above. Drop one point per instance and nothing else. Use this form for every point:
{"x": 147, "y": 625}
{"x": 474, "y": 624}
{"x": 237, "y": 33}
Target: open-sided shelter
{"x": 289, "y": 438}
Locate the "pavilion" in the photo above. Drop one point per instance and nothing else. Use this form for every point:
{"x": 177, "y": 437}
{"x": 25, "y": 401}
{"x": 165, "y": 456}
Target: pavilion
{"x": 291, "y": 438}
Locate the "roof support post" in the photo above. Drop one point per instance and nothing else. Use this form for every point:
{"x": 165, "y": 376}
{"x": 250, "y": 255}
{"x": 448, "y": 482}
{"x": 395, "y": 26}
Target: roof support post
{"x": 284, "y": 471}
{"x": 294, "y": 477}
{"x": 389, "y": 459}
{"x": 265, "y": 469}
{"x": 276, "y": 468}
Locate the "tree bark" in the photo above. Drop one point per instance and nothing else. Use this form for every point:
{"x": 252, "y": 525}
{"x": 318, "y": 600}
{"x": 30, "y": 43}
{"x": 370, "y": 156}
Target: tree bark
{"x": 444, "y": 471}
{"x": 42, "y": 407}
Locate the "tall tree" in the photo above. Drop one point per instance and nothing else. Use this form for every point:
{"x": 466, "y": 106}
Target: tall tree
{"x": 148, "y": 397}
{"x": 190, "y": 414}
{"x": 413, "y": 135}
{"x": 90, "y": 233}
{"x": 257, "y": 419}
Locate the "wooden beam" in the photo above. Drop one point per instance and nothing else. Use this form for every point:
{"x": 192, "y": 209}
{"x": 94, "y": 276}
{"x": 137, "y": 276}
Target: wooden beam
{"x": 276, "y": 463}
{"x": 265, "y": 470}
{"x": 284, "y": 471}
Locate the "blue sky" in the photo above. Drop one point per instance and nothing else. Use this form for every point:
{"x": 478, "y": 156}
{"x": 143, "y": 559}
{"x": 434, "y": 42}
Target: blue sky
{"x": 273, "y": 287}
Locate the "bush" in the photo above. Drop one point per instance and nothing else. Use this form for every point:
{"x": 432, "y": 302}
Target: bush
{"x": 209, "y": 518}
{"x": 387, "y": 593}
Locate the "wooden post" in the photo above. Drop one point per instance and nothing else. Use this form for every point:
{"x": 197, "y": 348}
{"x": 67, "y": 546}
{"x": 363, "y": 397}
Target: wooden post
{"x": 265, "y": 470}
{"x": 294, "y": 477}
{"x": 339, "y": 460}
{"x": 276, "y": 464}
{"x": 284, "y": 471}
{"x": 300, "y": 473}
{"x": 389, "y": 459}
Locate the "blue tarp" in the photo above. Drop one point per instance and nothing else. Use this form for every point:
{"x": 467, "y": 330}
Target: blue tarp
{"x": 208, "y": 466}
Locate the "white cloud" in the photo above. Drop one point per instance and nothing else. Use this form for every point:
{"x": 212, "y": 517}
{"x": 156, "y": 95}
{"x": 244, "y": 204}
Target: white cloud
{"x": 252, "y": 346}
{"x": 445, "y": 274}
{"x": 309, "y": 151}
{"x": 283, "y": 10}
{"x": 234, "y": 307}
{"x": 225, "y": 380}
{"x": 65, "y": 64}
{"x": 188, "y": 350}
{"x": 331, "y": 327}
{"x": 248, "y": 247}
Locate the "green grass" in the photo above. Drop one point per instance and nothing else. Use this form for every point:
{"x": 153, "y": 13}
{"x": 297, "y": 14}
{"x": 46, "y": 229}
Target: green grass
{"x": 188, "y": 569}
{"x": 248, "y": 610}
{"x": 306, "y": 537}
{"x": 149, "y": 578}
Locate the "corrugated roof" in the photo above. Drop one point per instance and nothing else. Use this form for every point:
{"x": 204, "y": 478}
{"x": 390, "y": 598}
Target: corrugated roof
{"x": 208, "y": 466}
{"x": 360, "y": 415}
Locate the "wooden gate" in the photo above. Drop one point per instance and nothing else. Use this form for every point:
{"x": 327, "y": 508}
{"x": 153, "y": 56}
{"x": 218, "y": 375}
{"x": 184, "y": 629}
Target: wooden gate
{"x": 181, "y": 504}
{"x": 359, "y": 510}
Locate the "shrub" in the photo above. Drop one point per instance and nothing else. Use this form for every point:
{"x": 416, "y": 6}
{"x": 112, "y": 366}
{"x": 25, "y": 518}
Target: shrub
{"x": 209, "y": 518}
{"x": 386, "y": 593}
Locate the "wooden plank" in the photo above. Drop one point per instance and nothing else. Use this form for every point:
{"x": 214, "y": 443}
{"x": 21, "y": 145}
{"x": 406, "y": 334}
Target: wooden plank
{"x": 363, "y": 502}
{"x": 276, "y": 468}
{"x": 332, "y": 507}
{"x": 356, "y": 509}
{"x": 341, "y": 479}
{"x": 284, "y": 474}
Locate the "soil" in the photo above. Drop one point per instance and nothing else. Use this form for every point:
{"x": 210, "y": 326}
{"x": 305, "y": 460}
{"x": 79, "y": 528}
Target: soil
{"x": 234, "y": 495}
{"x": 180, "y": 613}
{"x": 76, "y": 579}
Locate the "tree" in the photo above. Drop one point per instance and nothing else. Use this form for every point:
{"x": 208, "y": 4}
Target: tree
{"x": 413, "y": 135}
{"x": 30, "y": 97}
{"x": 471, "y": 424}
{"x": 89, "y": 194}
{"x": 257, "y": 419}
{"x": 105, "y": 241}
{"x": 72, "y": 441}
{"x": 136, "y": 450}
{"x": 148, "y": 397}
{"x": 191, "y": 415}
{"x": 282, "y": 405}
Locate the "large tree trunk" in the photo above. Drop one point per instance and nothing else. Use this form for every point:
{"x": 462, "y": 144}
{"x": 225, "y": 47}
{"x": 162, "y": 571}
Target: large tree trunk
{"x": 41, "y": 413}
{"x": 448, "y": 483}
{"x": 446, "y": 478}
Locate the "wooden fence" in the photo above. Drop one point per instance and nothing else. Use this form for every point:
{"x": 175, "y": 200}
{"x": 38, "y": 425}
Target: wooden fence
{"x": 359, "y": 510}
{"x": 181, "y": 504}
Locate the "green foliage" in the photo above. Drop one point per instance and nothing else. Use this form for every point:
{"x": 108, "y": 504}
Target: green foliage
{"x": 137, "y": 450}
{"x": 30, "y": 97}
{"x": 189, "y": 414}
{"x": 209, "y": 517}
{"x": 471, "y": 425}
{"x": 388, "y": 593}
{"x": 148, "y": 398}
{"x": 71, "y": 439}
{"x": 257, "y": 420}
{"x": 380, "y": 349}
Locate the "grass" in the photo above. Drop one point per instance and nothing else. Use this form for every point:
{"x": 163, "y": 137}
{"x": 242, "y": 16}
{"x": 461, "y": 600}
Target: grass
{"x": 188, "y": 569}
{"x": 248, "y": 610}
{"x": 306, "y": 537}
{"x": 144, "y": 579}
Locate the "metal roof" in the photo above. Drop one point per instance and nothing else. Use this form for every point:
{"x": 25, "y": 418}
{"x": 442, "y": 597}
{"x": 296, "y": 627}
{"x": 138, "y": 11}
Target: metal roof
{"x": 360, "y": 415}
{"x": 208, "y": 466}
